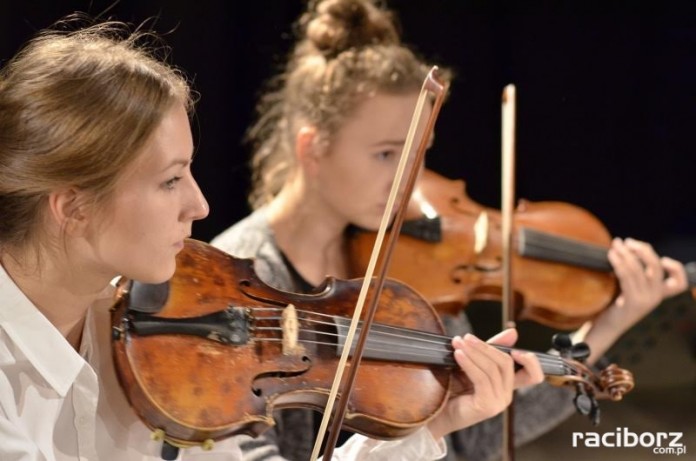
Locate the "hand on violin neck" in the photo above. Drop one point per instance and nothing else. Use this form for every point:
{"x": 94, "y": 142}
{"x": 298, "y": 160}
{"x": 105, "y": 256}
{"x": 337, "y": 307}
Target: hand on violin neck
{"x": 676, "y": 280}
{"x": 645, "y": 280}
{"x": 640, "y": 275}
{"x": 529, "y": 371}
{"x": 644, "y": 273}
{"x": 492, "y": 373}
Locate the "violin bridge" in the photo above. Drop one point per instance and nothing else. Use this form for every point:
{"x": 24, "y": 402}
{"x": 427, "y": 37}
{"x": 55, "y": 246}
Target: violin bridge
{"x": 481, "y": 232}
{"x": 290, "y": 328}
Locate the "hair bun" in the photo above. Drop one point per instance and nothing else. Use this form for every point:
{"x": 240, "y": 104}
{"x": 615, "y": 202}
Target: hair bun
{"x": 337, "y": 25}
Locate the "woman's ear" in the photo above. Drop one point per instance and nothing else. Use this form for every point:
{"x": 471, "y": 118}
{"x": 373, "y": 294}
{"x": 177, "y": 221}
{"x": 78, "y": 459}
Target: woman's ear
{"x": 306, "y": 152}
{"x": 68, "y": 210}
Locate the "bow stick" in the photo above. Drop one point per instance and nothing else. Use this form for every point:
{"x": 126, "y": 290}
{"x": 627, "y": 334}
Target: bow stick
{"x": 431, "y": 85}
{"x": 506, "y": 209}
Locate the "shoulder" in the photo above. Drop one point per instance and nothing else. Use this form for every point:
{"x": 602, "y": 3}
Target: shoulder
{"x": 247, "y": 238}
{"x": 253, "y": 238}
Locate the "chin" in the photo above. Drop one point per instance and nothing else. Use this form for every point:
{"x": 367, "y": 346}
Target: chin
{"x": 369, "y": 223}
{"x": 160, "y": 275}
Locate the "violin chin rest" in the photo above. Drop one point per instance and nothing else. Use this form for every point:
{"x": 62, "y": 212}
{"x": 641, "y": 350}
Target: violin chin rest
{"x": 148, "y": 298}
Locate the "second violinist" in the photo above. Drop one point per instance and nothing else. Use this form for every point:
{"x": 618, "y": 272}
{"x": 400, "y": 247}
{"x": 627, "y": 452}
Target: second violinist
{"x": 326, "y": 146}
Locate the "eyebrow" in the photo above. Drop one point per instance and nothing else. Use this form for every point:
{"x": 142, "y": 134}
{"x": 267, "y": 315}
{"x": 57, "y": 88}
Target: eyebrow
{"x": 182, "y": 162}
{"x": 389, "y": 143}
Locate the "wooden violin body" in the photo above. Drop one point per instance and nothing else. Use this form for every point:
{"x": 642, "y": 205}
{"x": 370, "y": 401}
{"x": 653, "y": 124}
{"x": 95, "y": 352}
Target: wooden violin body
{"x": 198, "y": 382}
{"x": 561, "y": 276}
{"x": 214, "y": 351}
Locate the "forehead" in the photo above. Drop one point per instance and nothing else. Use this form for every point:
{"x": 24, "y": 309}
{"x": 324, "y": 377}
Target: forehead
{"x": 381, "y": 118}
{"x": 171, "y": 142}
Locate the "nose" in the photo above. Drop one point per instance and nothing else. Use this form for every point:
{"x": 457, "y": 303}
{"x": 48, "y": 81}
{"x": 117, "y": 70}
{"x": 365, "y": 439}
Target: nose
{"x": 404, "y": 179}
{"x": 196, "y": 206}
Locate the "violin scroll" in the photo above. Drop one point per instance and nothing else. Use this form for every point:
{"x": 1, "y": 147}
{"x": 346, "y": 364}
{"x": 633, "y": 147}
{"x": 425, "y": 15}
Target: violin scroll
{"x": 616, "y": 381}
{"x": 610, "y": 383}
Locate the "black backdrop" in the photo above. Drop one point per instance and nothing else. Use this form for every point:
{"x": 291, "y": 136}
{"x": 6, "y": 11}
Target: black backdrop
{"x": 606, "y": 97}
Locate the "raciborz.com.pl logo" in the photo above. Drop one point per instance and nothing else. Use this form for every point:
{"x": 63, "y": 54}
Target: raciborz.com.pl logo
{"x": 660, "y": 443}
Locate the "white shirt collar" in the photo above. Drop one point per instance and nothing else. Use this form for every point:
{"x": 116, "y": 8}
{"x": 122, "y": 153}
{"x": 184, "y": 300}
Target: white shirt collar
{"x": 37, "y": 338}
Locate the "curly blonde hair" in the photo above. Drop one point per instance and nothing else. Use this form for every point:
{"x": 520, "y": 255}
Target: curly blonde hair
{"x": 347, "y": 50}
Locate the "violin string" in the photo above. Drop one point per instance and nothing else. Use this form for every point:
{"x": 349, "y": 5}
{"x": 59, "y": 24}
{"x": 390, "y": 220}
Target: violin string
{"x": 397, "y": 332}
{"x": 575, "y": 250}
{"x": 412, "y": 335}
{"x": 573, "y": 255}
{"x": 416, "y": 340}
{"x": 571, "y": 246}
{"x": 567, "y": 369}
{"x": 550, "y": 361}
{"x": 332, "y": 320}
{"x": 380, "y": 339}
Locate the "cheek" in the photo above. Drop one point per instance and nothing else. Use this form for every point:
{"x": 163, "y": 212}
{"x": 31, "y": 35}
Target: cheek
{"x": 137, "y": 233}
{"x": 129, "y": 226}
{"x": 147, "y": 215}
{"x": 128, "y": 208}
{"x": 141, "y": 252}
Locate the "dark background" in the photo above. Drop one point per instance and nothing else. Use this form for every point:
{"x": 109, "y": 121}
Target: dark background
{"x": 606, "y": 97}
{"x": 606, "y": 106}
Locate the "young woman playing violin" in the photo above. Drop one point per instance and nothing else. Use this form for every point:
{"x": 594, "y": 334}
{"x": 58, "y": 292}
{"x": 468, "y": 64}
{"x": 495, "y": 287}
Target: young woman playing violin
{"x": 95, "y": 183}
{"x": 327, "y": 144}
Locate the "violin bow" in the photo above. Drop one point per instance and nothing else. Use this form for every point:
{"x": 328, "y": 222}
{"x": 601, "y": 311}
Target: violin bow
{"x": 431, "y": 85}
{"x": 507, "y": 209}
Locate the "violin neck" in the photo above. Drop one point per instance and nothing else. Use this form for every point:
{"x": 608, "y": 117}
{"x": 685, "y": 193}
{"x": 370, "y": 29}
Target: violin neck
{"x": 396, "y": 344}
{"x": 532, "y": 243}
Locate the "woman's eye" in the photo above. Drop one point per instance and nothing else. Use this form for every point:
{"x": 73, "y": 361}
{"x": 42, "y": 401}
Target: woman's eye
{"x": 385, "y": 155}
{"x": 172, "y": 182}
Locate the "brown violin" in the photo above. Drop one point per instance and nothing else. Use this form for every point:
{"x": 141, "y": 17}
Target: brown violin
{"x": 214, "y": 351}
{"x": 450, "y": 252}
